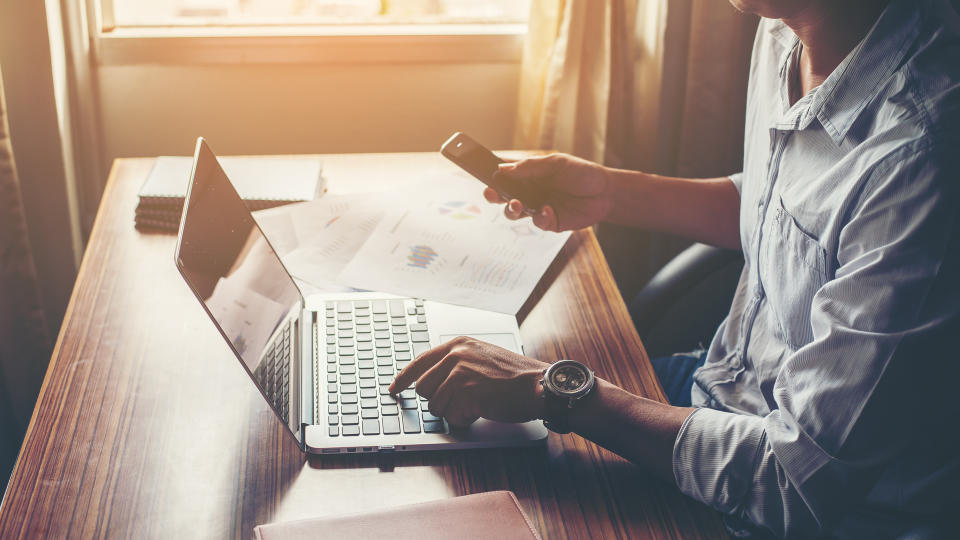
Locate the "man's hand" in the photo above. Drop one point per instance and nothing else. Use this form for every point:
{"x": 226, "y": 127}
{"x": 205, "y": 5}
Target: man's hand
{"x": 466, "y": 379}
{"x": 579, "y": 192}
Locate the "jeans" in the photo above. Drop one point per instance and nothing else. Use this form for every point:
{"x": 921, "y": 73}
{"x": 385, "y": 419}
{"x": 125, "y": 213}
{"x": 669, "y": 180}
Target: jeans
{"x": 676, "y": 375}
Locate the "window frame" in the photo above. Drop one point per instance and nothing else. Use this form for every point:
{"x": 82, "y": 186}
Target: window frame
{"x": 302, "y": 44}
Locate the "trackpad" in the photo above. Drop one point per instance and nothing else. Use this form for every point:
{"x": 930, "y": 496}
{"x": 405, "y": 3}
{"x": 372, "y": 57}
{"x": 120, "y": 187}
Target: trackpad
{"x": 507, "y": 341}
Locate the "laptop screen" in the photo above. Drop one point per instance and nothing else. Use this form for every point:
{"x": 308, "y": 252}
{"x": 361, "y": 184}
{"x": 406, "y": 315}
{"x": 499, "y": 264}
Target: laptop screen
{"x": 231, "y": 267}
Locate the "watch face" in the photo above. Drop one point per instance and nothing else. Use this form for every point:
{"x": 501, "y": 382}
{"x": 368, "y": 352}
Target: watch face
{"x": 568, "y": 379}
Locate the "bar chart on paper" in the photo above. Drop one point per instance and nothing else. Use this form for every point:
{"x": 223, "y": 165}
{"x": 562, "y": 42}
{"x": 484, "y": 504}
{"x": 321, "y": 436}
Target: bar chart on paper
{"x": 478, "y": 259}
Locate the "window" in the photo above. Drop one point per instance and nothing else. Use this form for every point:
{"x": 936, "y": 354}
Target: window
{"x": 187, "y": 13}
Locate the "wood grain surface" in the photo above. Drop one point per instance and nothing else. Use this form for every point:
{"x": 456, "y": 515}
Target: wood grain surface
{"x": 146, "y": 427}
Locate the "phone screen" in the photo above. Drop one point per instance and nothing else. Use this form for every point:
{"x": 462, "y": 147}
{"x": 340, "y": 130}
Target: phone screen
{"x": 482, "y": 164}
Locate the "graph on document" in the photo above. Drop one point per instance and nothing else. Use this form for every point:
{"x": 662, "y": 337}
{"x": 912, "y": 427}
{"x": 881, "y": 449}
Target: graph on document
{"x": 421, "y": 256}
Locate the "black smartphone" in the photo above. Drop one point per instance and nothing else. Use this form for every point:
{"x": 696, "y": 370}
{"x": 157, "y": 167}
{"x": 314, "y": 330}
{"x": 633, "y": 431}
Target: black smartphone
{"x": 472, "y": 157}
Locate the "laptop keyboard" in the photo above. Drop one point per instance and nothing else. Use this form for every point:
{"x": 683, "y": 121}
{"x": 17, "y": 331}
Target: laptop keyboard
{"x": 274, "y": 373}
{"x": 368, "y": 342}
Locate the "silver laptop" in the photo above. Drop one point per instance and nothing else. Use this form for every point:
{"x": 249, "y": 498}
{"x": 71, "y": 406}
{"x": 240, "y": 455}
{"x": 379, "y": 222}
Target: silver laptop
{"x": 324, "y": 362}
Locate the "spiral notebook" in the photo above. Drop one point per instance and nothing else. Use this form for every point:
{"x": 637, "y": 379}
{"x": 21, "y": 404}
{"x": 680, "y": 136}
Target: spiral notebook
{"x": 262, "y": 181}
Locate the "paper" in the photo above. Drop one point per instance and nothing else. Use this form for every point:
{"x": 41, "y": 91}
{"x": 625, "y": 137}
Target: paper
{"x": 454, "y": 247}
{"x": 316, "y": 239}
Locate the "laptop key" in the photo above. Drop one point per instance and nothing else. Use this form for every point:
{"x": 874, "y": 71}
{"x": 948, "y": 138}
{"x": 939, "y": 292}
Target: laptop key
{"x": 385, "y": 390}
{"x": 344, "y": 307}
{"x": 331, "y": 398}
{"x": 362, "y": 320}
{"x": 385, "y": 370}
{"x": 333, "y": 431}
{"x": 351, "y": 430}
{"x": 380, "y": 326}
{"x": 396, "y": 308}
{"x": 344, "y": 316}
{"x": 398, "y": 322}
{"x": 419, "y": 337}
{"x": 349, "y": 409}
{"x": 344, "y": 325}
{"x": 348, "y": 379}
{"x": 368, "y": 403}
{"x": 408, "y": 404}
{"x": 387, "y": 399}
{"x": 421, "y": 318}
{"x": 331, "y": 349}
{"x": 379, "y": 306}
{"x": 427, "y": 417}
{"x": 333, "y": 420}
{"x": 367, "y": 373}
{"x": 411, "y": 421}
{"x": 420, "y": 348}
{"x": 391, "y": 425}
{"x": 368, "y": 383}
{"x": 411, "y": 311}
{"x": 331, "y": 340}
{"x": 368, "y": 393}
{"x": 365, "y": 355}
{"x": 350, "y": 419}
{"x": 346, "y": 360}
{"x": 346, "y": 351}
{"x": 383, "y": 343}
{"x": 371, "y": 427}
{"x": 384, "y": 352}
{"x": 385, "y": 380}
{"x": 348, "y": 369}
{"x": 364, "y": 334}
{"x": 401, "y": 347}
{"x": 380, "y": 318}
{"x": 346, "y": 342}
{"x": 401, "y": 365}
{"x": 402, "y": 356}
{"x": 332, "y": 388}
{"x": 418, "y": 327}
{"x": 367, "y": 364}
{"x": 343, "y": 334}
{"x": 332, "y": 408}
{"x": 363, "y": 328}
{"x": 348, "y": 399}
{"x": 389, "y": 410}
{"x": 369, "y": 413}
{"x": 409, "y": 393}
{"x": 348, "y": 388}
{"x": 361, "y": 303}
{"x": 433, "y": 427}
{"x": 384, "y": 361}
{"x": 365, "y": 346}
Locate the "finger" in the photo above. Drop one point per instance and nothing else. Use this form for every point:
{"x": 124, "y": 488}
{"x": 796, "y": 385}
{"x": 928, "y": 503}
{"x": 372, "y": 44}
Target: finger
{"x": 428, "y": 383}
{"x": 514, "y": 210}
{"x": 546, "y": 219}
{"x": 419, "y": 366}
{"x": 531, "y": 167}
{"x": 491, "y": 195}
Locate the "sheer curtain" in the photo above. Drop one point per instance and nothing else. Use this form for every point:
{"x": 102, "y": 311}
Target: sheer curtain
{"x": 644, "y": 84}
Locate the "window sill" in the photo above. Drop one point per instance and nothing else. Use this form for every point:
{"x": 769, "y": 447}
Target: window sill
{"x": 342, "y": 44}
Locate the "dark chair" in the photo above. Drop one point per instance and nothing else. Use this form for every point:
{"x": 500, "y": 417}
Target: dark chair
{"x": 679, "y": 309}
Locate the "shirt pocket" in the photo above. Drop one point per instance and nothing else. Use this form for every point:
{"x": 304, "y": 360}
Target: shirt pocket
{"x": 793, "y": 270}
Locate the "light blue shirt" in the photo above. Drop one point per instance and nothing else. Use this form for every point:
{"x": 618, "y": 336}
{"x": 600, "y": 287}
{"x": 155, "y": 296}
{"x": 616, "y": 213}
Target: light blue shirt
{"x": 827, "y": 397}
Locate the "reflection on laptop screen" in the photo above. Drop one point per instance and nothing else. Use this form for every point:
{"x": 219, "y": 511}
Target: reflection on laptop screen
{"x": 230, "y": 266}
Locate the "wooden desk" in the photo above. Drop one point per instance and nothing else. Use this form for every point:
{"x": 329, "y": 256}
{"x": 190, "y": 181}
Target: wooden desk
{"x": 146, "y": 427}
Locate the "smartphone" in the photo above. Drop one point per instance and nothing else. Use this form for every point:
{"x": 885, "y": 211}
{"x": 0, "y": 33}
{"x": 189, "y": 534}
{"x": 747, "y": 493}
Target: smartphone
{"x": 472, "y": 157}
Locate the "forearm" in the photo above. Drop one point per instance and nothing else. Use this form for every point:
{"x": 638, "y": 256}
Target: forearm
{"x": 641, "y": 430}
{"x": 706, "y": 210}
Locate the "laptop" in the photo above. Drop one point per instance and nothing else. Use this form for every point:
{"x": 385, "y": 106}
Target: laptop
{"x": 324, "y": 362}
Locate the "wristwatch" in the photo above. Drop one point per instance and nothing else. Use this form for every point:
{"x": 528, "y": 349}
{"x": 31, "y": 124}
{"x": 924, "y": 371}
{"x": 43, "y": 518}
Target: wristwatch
{"x": 564, "y": 384}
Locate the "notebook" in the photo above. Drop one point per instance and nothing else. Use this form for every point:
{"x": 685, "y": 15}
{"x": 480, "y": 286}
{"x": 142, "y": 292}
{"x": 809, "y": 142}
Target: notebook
{"x": 495, "y": 515}
{"x": 263, "y": 182}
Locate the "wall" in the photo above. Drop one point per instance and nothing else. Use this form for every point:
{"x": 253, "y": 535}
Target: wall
{"x": 303, "y": 108}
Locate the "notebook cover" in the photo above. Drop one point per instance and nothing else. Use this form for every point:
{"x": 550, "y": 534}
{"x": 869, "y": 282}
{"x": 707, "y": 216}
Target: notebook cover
{"x": 495, "y": 515}
{"x": 255, "y": 178}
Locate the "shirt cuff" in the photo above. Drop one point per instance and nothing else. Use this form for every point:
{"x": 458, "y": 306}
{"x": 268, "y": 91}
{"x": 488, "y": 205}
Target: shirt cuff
{"x": 715, "y": 455}
{"x": 737, "y": 180}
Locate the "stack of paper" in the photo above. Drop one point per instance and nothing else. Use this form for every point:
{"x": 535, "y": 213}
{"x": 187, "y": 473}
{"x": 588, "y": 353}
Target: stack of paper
{"x": 438, "y": 240}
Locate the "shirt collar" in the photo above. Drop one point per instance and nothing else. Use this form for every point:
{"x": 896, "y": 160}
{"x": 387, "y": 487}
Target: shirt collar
{"x": 842, "y": 97}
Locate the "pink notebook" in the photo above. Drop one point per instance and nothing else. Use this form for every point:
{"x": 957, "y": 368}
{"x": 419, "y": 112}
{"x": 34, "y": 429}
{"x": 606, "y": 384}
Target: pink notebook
{"x": 495, "y": 515}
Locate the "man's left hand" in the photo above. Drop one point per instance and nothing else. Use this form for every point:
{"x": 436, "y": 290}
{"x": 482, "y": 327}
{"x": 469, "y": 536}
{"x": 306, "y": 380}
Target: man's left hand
{"x": 466, "y": 379}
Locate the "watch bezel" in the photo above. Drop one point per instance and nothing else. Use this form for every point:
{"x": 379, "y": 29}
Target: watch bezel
{"x": 573, "y": 396}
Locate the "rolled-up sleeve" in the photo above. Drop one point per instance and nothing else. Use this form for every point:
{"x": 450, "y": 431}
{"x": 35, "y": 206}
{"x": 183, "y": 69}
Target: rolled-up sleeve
{"x": 858, "y": 401}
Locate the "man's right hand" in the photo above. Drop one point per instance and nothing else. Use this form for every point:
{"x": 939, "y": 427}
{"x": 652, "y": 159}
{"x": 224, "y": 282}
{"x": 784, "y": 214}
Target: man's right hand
{"x": 579, "y": 193}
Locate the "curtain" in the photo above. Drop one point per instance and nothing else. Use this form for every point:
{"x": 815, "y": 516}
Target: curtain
{"x": 25, "y": 343}
{"x": 653, "y": 85}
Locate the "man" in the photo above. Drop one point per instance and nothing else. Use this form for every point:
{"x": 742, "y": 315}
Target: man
{"x": 823, "y": 406}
